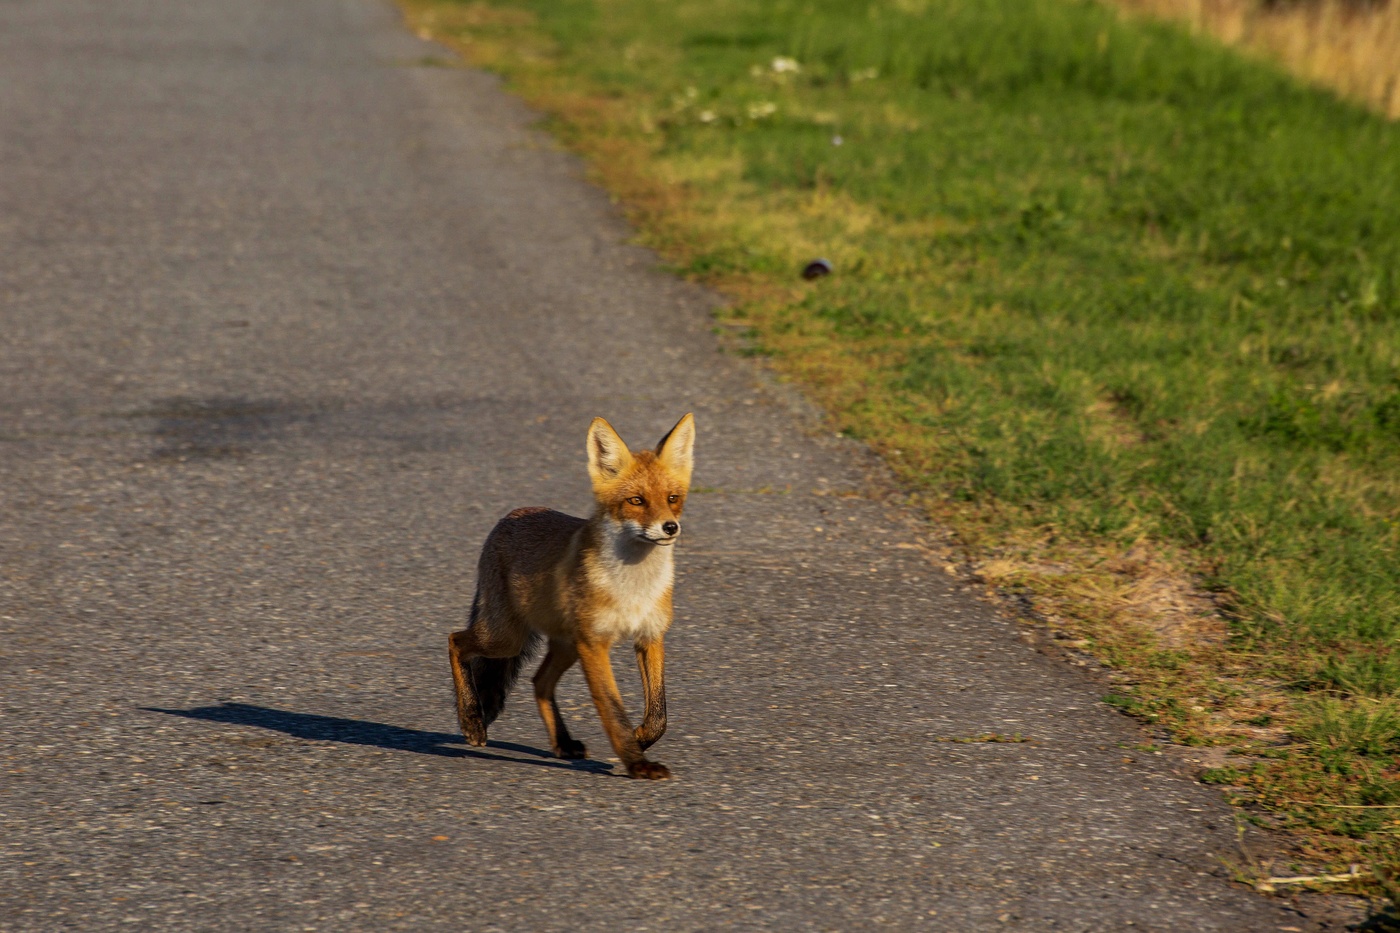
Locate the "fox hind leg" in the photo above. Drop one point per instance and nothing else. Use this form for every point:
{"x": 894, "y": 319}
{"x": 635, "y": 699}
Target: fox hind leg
{"x": 460, "y": 653}
{"x": 483, "y": 671}
{"x": 560, "y": 658}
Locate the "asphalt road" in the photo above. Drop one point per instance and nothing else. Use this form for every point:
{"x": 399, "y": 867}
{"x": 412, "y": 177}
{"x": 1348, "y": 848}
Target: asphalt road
{"x": 289, "y": 320}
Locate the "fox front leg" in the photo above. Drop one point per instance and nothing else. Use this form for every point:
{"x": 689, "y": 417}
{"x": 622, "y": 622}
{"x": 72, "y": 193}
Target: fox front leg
{"x": 597, "y": 670}
{"x": 651, "y": 663}
{"x": 560, "y": 658}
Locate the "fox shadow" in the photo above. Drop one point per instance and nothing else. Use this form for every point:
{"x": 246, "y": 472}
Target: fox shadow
{"x": 318, "y": 728}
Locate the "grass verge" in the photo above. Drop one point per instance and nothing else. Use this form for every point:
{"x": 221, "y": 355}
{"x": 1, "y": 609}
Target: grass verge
{"x": 1121, "y": 307}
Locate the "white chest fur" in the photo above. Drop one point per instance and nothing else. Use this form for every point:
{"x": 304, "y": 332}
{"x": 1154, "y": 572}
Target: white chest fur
{"x": 637, "y": 607}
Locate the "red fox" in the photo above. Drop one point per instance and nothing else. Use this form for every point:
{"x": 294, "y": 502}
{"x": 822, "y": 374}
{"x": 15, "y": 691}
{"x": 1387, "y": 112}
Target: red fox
{"x": 582, "y": 585}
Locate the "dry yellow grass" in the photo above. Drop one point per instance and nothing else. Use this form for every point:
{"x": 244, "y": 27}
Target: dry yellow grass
{"x": 1352, "y": 46}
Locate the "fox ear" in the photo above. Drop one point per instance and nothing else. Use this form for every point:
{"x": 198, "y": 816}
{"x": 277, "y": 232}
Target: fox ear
{"x": 607, "y": 454}
{"x": 676, "y": 450}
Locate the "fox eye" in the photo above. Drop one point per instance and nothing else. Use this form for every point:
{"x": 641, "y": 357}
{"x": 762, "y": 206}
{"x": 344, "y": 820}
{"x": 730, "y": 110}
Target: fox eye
{"x": 637, "y": 500}
{"x": 672, "y": 498}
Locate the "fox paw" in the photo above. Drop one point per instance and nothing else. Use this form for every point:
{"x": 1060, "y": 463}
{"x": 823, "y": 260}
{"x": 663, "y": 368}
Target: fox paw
{"x": 474, "y": 733}
{"x": 648, "y": 771}
{"x": 571, "y": 749}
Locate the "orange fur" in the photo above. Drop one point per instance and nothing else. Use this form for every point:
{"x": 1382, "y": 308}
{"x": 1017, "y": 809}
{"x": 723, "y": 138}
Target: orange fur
{"x": 581, "y": 585}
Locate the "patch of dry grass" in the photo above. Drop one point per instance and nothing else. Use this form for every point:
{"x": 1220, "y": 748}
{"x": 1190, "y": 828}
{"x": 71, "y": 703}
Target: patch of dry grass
{"x": 1352, "y": 46}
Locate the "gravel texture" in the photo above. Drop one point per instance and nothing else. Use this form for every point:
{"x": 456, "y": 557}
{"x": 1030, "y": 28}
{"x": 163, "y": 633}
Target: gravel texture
{"x": 290, "y": 318}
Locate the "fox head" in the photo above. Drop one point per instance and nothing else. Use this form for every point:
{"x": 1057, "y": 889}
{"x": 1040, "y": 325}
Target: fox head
{"x": 642, "y": 493}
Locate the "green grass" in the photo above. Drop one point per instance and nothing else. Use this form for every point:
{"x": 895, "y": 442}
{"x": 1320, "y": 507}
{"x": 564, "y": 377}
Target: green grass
{"x": 1099, "y": 285}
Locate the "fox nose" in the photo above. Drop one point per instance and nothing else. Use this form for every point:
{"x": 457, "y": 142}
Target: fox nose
{"x": 670, "y": 527}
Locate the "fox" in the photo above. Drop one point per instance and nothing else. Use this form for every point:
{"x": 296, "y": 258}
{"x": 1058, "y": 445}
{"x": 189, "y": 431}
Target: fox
{"x": 581, "y": 585}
